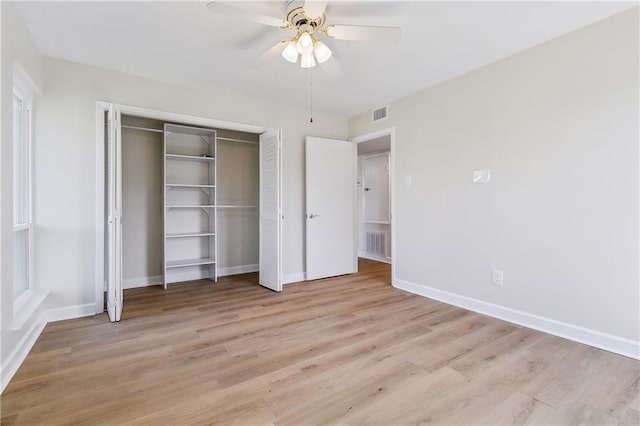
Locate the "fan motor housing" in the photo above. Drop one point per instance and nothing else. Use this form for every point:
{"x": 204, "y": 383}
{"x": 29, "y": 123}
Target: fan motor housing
{"x": 298, "y": 18}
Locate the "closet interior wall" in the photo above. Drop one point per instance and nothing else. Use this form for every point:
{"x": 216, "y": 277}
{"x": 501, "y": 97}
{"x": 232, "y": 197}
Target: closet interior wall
{"x": 238, "y": 199}
{"x": 237, "y": 187}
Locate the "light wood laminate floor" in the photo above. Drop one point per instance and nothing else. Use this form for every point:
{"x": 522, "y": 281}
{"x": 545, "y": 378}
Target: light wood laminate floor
{"x": 346, "y": 350}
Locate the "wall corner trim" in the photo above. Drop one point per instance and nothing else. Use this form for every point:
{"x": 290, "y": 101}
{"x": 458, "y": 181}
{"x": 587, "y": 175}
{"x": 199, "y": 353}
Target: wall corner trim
{"x": 607, "y": 342}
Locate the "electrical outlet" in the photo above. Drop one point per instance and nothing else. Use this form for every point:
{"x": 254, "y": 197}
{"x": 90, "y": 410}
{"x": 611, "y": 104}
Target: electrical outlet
{"x": 496, "y": 277}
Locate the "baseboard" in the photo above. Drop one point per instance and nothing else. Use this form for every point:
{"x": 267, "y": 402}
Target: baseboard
{"x": 70, "y": 312}
{"x": 142, "y": 282}
{"x": 235, "y": 270}
{"x": 608, "y": 342}
{"x": 27, "y": 307}
{"x": 293, "y": 278}
{"x": 198, "y": 275}
{"x": 365, "y": 255}
{"x": 178, "y": 277}
{"x": 15, "y": 359}
{"x": 17, "y": 356}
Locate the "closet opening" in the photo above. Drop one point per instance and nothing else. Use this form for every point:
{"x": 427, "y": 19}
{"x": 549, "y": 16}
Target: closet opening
{"x": 199, "y": 215}
{"x": 183, "y": 198}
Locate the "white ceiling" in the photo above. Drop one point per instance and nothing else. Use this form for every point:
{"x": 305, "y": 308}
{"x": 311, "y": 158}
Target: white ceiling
{"x": 182, "y": 42}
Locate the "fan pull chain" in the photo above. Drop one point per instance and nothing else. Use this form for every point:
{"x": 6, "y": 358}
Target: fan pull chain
{"x": 306, "y": 92}
{"x": 310, "y": 95}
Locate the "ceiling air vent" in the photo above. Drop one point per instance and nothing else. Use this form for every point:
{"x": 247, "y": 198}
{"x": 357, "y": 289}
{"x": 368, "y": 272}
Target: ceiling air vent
{"x": 379, "y": 114}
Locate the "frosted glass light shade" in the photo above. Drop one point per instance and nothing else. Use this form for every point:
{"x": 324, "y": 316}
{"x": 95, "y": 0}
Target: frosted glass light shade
{"x": 322, "y": 51}
{"x": 305, "y": 44}
{"x": 290, "y": 53}
{"x": 307, "y": 61}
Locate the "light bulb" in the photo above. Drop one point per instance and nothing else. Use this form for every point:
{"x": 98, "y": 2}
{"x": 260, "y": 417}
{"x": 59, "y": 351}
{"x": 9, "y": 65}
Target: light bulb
{"x": 322, "y": 51}
{"x": 307, "y": 61}
{"x": 305, "y": 43}
{"x": 290, "y": 53}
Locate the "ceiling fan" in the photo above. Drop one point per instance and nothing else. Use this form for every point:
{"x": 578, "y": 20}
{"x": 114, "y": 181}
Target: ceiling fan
{"x": 307, "y": 18}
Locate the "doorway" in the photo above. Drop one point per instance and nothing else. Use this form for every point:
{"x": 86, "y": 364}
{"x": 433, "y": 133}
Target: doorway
{"x": 375, "y": 222}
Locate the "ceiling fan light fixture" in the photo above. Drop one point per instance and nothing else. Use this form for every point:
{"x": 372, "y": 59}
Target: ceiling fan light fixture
{"x": 307, "y": 61}
{"x": 290, "y": 53}
{"x": 322, "y": 51}
{"x": 305, "y": 43}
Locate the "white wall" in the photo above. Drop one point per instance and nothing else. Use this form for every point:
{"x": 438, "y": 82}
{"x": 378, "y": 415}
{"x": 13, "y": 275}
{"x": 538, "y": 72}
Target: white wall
{"x": 558, "y": 127}
{"x": 66, "y": 158}
{"x": 17, "y": 49}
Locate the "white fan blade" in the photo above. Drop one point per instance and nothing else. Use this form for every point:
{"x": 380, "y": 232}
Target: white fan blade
{"x": 314, "y": 8}
{"x": 225, "y": 9}
{"x": 263, "y": 39}
{"x": 363, "y": 33}
{"x": 270, "y": 54}
{"x": 346, "y": 9}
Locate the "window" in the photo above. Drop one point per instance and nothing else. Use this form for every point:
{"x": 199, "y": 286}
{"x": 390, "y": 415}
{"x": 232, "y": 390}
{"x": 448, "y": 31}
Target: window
{"x": 22, "y": 226}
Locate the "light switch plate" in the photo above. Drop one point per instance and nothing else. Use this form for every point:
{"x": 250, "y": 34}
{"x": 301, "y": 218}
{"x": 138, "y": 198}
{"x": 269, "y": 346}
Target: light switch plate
{"x": 481, "y": 176}
{"x": 408, "y": 181}
{"x": 497, "y": 277}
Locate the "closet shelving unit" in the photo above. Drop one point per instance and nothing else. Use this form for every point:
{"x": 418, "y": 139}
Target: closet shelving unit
{"x": 189, "y": 215}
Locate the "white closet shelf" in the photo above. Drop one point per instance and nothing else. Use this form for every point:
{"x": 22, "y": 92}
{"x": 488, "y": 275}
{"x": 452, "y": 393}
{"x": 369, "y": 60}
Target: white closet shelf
{"x": 184, "y": 185}
{"x": 190, "y": 262}
{"x": 188, "y": 157}
{"x": 188, "y": 130}
{"x": 192, "y": 207}
{"x": 192, "y": 234}
{"x": 231, "y": 206}
{"x": 124, "y": 126}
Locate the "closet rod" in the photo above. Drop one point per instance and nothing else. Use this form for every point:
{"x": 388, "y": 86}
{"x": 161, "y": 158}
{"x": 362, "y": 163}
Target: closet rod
{"x": 142, "y": 128}
{"x": 236, "y": 140}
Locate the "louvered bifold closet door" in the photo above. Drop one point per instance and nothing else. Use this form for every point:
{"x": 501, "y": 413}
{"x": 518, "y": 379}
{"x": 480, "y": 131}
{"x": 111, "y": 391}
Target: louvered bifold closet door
{"x": 270, "y": 210}
{"x": 114, "y": 219}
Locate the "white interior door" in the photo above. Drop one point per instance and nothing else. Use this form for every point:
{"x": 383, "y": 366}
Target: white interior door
{"x": 270, "y": 274}
{"x": 375, "y": 184}
{"x": 331, "y": 208}
{"x": 114, "y": 225}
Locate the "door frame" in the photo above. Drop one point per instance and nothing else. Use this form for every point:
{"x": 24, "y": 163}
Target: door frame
{"x": 101, "y": 107}
{"x": 391, "y": 132}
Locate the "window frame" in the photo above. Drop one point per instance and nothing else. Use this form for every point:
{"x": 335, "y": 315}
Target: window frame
{"x": 22, "y": 90}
